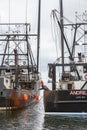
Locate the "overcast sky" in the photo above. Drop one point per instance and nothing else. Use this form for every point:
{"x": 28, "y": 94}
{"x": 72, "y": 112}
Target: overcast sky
{"x": 18, "y": 14}
{"x": 49, "y": 48}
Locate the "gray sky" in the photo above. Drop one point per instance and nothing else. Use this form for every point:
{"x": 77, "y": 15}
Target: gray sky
{"x": 18, "y": 14}
{"x": 49, "y": 48}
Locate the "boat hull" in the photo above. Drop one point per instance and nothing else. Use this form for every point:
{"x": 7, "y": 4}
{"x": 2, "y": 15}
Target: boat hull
{"x": 65, "y": 101}
{"x": 17, "y": 99}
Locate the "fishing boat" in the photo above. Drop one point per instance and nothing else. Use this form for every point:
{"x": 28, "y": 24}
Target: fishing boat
{"x": 69, "y": 72}
{"x": 19, "y": 68}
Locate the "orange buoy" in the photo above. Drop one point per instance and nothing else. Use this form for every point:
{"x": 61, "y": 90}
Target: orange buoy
{"x": 25, "y": 97}
{"x": 36, "y": 97}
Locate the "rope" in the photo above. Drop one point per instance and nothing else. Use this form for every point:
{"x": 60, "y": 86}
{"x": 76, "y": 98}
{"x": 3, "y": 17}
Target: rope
{"x": 55, "y": 33}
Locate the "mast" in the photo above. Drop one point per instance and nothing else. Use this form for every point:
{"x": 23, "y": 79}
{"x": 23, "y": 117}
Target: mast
{"x": 38, "y": 39}
{"x": 16, "y": 68}
{"x": 62, "y": 27}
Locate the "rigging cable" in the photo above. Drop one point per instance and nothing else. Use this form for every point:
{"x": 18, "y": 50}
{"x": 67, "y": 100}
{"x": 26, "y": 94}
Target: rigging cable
{"x": 68, "y": 19}
{"x": 55, "y": 35}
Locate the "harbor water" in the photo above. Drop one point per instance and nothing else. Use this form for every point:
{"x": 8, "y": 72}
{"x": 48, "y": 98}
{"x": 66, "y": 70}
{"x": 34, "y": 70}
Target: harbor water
{"x": 35, "y": 119}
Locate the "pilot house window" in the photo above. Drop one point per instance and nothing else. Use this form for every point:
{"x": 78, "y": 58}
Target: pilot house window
{"x": 69, "y": 86}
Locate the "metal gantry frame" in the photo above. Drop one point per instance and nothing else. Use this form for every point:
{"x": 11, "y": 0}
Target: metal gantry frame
{"x": 17, "y": 38}
{"x": 63, "y": 64}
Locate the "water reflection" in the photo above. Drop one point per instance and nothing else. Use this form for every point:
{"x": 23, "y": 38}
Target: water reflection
{"x": 34, "y": 119}
{"x": 28, "y": 119}
{"x": 65, "y": 123}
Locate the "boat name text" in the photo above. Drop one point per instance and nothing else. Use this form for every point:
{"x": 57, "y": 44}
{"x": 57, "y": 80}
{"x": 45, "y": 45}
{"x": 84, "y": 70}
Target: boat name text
{"x": 78, "y": 93}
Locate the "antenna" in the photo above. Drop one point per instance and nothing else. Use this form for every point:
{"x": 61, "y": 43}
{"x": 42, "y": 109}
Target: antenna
{"x": 9, "y": 11}
{"x": 26, "y": 7}
{"x": 9, "y": 15}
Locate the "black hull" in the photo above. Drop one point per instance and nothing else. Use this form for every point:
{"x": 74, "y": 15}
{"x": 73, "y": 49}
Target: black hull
{"x": 65, "y": 101}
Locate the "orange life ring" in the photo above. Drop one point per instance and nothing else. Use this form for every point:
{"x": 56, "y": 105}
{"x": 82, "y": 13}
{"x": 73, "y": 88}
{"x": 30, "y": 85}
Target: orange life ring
{"x": 85, "y": 77}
